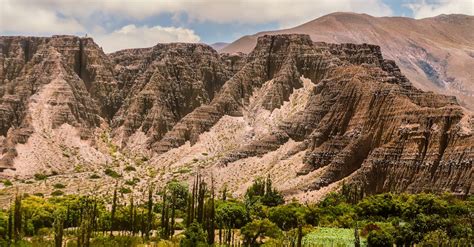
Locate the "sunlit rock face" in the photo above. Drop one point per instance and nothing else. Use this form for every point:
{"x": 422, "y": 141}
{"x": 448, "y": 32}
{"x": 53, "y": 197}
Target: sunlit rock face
{"x": 311, "y": 113}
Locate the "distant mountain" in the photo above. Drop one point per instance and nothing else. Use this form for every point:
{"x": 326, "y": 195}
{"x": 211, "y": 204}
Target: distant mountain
{"x": 219, "y": 45}
{"x": 436, "y": 54}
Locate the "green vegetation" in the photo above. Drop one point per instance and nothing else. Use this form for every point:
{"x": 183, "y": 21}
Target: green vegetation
{"x": 125, "y": 190}
{"x": 57, "y": 193}
{"x": 182, "y": 215}
{"x": 94, "y": 176}
{"x": 129, "y": 169}
{"x": 111, "y": 173}
{"x": 329, "y": 236}
{"x": 7, "y": 182}
{"x": 59, "y": 186}
{"x": 40, "y": 176}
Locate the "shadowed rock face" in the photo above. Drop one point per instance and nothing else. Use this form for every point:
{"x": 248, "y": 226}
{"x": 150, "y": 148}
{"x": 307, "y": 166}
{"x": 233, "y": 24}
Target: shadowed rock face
{"x": 361, "y": 120}
{"x": 161, "y": 85}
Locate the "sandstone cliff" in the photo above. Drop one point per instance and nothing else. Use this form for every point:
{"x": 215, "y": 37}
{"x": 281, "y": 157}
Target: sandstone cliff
{"x": 310, "y": 114}
{"x": 435, "y": 53}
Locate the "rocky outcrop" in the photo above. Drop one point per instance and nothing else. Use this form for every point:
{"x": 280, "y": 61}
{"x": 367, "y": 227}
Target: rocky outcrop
{"x": 29, "y": 63}
{"x": 363, "y": 120}
{"x": 326, "y": 112}
{"x": 162, "y": 84}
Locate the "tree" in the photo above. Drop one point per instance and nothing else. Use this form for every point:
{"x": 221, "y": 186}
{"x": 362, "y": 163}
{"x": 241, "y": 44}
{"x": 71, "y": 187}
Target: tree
{"x": 194, "y": 235}
{"x": 288, "y": 216}
{"x": 380, "y": 238}
{"x": 259, "y": 229}
{"x": 17, "y": 218}
{"x": 229, "y": 215}
{"x": 114, "y": 209}
{"x": 58, "y": 227}
{"x": 262, "y": 191}
{"x": 149, "y": 223}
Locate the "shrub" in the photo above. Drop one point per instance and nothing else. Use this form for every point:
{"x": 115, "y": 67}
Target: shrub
{"x": 132, "y": 182}
{"x": 380, "y": 238}
{"x": 125, "y": 190}
{"x": 7, "y": 182}
{"x": 94, "y": 176}
{"x": 40, "y": 176}
{"x": 57, "y": 193}
{"x": 111, "y": 173}
{"x": 129, "y": 169}
{"x": 59, "y": 186}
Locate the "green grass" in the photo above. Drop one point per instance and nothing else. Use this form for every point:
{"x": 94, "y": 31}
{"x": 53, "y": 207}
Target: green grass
{"x": 326, "y": 236}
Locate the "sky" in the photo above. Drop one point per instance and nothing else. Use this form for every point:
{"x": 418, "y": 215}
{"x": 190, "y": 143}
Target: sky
{"x": 119, "y": 24}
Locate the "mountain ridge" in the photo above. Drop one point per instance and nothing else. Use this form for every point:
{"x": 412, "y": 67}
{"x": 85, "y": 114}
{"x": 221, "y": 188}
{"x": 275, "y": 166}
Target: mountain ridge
{"x": 173, "y": 109}
{"x": 434, "y": 53}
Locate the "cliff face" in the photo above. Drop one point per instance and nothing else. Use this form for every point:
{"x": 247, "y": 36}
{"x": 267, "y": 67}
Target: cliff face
{"x": 161, "y": 85}
{"x": 434, "y": 53}
{"x": 310, "y": 114}
{"x": 71, "y": 71}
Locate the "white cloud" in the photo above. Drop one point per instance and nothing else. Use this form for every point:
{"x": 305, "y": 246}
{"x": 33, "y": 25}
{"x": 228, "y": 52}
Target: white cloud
{"x": 21, "y": 17}
{"x": 423, "y": 9}
{"x": 241, "y": 11}
{"x": 131, "y": 36}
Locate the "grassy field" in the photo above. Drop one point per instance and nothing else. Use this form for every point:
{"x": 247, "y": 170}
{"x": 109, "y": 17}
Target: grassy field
{"x": 325, "y": 236}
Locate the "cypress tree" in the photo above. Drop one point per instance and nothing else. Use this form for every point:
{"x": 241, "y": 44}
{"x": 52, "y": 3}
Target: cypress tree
{"x": 149, "y": 224}
{"x": 113, "y": 210}
{"x": 58, "y": 226}
{"x": 10, "y": 226}
{"x": 17, "y": 218}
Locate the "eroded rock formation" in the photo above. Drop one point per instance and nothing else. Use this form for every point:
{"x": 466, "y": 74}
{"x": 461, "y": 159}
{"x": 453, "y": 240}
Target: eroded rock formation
{"x": 327, "y": 112}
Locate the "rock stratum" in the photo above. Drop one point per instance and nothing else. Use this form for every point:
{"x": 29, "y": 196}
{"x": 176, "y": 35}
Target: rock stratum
{"x": 310, "y": 114}
{"x": 436, "y": 53}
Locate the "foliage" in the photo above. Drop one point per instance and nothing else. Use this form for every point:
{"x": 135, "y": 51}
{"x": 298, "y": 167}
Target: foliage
{"x": 111, "y": 173}
{"x": 380, "y": 238}
{"x": 254, "y": 231}
{"x": 57, "y": 193}
{"x": 194, "y": 235}
{"x": 59, "y": 186}
{"x": 287, "y": 216}
{"x": 261, "y": 190}
{"x": 40, "y": 176}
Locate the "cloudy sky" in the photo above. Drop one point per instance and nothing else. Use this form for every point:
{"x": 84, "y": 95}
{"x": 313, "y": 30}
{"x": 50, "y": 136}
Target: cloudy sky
{"x": 118, "y": 24}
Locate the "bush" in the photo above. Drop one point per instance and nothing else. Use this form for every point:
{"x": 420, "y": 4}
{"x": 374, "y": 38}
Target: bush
{"x": 7, "y": 182}
{"x": 132, "y": 182}
{"x": 380, "y": 238}
{"x": 129, "y": 169}
{"x": 40, "y": 176}
{"x": 59, "y": 186}
{"x": 57, "y": 193}
{"x": 94, "y": 176}
{"x": 125, "y": 190}
{"x": 194, "y": 235}
{"x": 111, "y": 173}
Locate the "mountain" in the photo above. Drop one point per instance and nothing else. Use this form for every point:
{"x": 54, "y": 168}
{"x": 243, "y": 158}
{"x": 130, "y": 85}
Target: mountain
{"x": 313, "y": 115}
{"x": 219, "y": 45}
{"x": 436, "y": 54}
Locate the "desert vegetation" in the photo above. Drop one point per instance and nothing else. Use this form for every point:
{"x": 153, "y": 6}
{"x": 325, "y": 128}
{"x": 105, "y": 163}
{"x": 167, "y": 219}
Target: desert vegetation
{"x": 198, "y": 215}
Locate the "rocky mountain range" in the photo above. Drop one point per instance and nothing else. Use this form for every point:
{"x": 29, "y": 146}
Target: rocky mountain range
{"x": 310, "y": 114}
{"x": 436, "y": 54}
